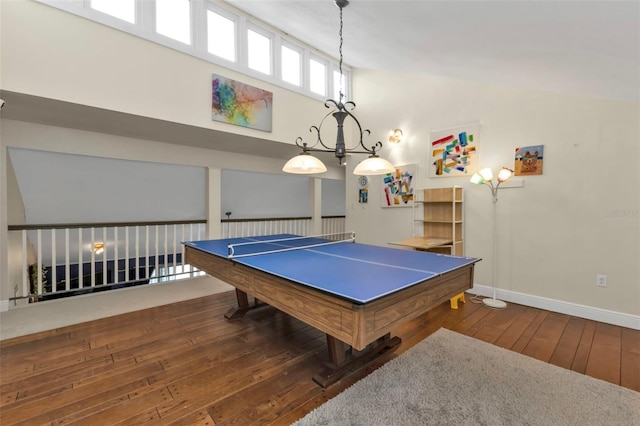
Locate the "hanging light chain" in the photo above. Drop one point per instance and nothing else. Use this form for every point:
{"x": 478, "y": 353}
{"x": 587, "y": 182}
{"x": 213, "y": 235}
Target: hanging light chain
{"x": 340, "y": 64}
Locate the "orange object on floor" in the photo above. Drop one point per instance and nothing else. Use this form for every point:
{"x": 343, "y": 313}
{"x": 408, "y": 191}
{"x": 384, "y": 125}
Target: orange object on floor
{"x": 454, "y": 300}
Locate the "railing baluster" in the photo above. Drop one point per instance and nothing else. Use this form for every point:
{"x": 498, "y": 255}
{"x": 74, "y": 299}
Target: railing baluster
{"x": 182, "y": 246}
{"x": 137, "y": 251}
{"x": 146, "y": 252}
{"x": 126, "y": 254}
{"x": 25, "y": 267}
{"x": 54, "y": 272}
{"x": 93, "y": 257}
{"x": 67, "y": 261}
{"x": 80, "y": 265}
{"x": 156, "y": 243}
{"x": 165, "y": 262}
{"x": 104, "y": 256}
{"x": 173, "y": 249}
{"x": 116, "y": 260}
{"x": 39, "y": 264}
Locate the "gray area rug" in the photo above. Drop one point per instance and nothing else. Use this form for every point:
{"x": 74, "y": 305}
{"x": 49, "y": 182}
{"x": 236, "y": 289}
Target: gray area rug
{"x": 452, "y": 379}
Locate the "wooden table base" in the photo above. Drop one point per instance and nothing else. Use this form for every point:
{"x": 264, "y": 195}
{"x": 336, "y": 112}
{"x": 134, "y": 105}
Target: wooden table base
{"x": 342, "y": 357}
{"x": 243, "y": 307}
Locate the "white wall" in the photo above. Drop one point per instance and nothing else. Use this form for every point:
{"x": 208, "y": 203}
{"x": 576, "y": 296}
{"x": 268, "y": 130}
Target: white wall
{"x": 579, "y": 219}
{"x": 333, "y": 197}
{"x": 254, "y": 195}
{"x": 66, "y": 188}
{"x": 54, "y": 54}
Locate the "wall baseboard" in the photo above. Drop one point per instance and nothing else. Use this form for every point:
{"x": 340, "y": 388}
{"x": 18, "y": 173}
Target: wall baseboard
{"x": 581, "y": 311}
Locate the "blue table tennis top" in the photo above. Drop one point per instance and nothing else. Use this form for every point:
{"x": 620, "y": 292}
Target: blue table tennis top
{"x": 358, "y": 272}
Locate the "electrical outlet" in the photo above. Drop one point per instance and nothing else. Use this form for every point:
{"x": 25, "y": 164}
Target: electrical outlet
{"x": 601, "y": 280}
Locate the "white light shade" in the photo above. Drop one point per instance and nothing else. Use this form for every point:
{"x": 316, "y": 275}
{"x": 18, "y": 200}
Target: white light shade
{"x": 486, "y": 174}
{"x": 374, "y": 165}
{"x": 304, "y": 164}
{"x": 477, "y": 179}
{"x": 504, "y": 174}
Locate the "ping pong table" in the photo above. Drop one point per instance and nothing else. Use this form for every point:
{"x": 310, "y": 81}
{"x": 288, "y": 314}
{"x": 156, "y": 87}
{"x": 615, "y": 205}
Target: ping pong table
{"x": 355, "y": 293}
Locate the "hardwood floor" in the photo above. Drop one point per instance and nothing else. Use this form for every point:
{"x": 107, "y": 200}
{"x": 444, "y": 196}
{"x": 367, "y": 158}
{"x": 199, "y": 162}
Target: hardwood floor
{"x": 185, "y": 364}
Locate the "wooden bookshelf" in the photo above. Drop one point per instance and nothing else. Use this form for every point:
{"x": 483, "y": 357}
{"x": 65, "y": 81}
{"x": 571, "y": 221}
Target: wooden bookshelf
{"x": 441, "y": 214}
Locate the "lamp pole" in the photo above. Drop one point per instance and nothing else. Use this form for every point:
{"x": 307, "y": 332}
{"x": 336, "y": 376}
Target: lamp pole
{"x": 485, "y": 176}
{"x": 493, "y": 302}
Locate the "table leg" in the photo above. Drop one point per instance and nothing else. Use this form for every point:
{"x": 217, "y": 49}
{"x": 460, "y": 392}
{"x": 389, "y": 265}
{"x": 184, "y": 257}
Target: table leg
{"x": 243, "y": 306}
{"x": 343, "y": 359}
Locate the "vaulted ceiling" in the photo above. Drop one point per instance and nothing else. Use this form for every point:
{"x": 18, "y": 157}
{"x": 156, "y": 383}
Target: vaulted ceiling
{"x": 580, "y": 47}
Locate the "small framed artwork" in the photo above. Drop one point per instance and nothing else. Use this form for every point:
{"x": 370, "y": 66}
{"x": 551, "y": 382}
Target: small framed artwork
{"x": 528, "y": 160}
{"x": 240, "y": 104}
{"x": 397, "y": 187}
{"x": 363, "y": 189}
{"x": 453, "y": 152}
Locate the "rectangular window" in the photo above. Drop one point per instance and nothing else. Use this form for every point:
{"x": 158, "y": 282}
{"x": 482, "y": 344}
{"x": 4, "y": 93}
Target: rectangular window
{"x": 221, "y": 36}
{"x": 337, "y": 85}
{"x": 173, "y": 19}
{"x": 317, "y": 77}
{"x": 290, "y": 65}
{"x": 259, "y": 52}
{"x": 121, "y": 9}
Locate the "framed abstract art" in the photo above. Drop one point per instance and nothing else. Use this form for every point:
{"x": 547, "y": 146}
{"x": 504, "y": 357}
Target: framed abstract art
{"x": 240, "y": 104}
{"x": 454, "y": 152}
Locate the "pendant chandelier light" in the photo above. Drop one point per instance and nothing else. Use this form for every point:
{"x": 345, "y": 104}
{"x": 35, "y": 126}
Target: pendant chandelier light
{"x": 305, "y": 163}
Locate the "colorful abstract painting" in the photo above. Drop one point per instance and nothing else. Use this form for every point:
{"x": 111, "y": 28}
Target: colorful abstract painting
{"x": 454, "y": 151}
{"x": 528, "y": 160}
{"x": 363, "y": 189}
{"x": 397, "y": 187}
{"x": 240, "y": 104}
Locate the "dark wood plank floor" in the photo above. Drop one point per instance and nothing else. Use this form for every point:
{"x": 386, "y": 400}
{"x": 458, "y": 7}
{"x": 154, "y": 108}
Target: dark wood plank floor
{"x": 185, "y": 364}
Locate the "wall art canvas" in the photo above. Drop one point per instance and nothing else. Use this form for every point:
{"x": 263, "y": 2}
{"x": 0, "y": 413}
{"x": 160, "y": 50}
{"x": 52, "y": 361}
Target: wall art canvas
{"x": 398, "y": 187}
{"x": 240, "y": 104}
{"x": 363, "y": 189}
{"x": 528, "y": 160}
{"x": 454, "y": 152}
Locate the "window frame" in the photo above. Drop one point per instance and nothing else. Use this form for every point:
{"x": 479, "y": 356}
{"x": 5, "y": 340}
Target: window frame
{"x": 251, "y": 26}
{"x": 237, "y": 23}
{"x": 327, "y": 73}
{"x": 300, "y": 50}
{"x": 191, "y": 25}
{"x": 144, "y": 27}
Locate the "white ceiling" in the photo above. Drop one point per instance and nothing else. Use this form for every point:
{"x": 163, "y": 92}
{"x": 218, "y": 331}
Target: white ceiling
{"x": 573, "y": 46}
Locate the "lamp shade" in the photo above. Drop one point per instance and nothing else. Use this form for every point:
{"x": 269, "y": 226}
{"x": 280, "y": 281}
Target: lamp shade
{"x": 304, "y": 164}
{"x": 486, "y": 174}
{"x": 477, "y": 179}
{"x": 504, "y": 174}
{"x": 374, "y": 165}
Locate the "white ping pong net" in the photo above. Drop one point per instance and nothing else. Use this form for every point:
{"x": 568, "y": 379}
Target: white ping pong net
{"x": 260, "y": 247}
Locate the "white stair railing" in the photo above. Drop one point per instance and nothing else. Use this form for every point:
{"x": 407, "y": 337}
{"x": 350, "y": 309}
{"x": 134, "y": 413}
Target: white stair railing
{"x": 62, "y": 259}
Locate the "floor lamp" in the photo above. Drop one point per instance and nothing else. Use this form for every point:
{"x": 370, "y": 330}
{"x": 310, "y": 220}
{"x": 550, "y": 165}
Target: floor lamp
{"x": 485, "y": 177}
